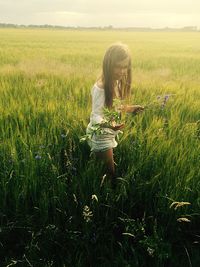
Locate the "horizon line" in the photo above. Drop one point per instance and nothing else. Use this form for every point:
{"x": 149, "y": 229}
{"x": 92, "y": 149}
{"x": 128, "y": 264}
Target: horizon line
{"x": 188, "y": 27}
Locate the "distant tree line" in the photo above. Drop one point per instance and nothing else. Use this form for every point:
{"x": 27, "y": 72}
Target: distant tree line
{"x": 109, "y": 27}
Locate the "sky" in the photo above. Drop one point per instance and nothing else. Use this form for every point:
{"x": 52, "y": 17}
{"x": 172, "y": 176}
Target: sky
{"x": 101, "y": 13}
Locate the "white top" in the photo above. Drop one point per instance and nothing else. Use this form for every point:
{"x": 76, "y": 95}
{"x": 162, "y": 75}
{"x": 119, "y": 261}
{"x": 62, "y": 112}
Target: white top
{"x": 105, "y": 140}
{"x": 98, "y": 103}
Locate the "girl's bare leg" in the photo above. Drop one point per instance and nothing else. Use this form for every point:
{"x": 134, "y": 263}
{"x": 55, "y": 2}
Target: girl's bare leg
{"x": 107, "y": 158}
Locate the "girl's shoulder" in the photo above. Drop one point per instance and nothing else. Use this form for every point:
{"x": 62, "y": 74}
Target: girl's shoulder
{"x": 97, "y": 89}
{"x": 99, "y": 84}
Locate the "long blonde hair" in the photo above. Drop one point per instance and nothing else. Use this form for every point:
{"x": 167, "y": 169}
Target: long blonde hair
{"x": 114, "y": 54}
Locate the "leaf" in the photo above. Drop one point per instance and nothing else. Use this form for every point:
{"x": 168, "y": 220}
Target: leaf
{"x": 128, "y": 234}
{"x": 94, "y": 197}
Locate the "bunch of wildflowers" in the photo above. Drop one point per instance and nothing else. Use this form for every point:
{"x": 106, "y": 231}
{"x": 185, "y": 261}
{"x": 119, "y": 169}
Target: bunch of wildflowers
{"x": 112, "y": 117}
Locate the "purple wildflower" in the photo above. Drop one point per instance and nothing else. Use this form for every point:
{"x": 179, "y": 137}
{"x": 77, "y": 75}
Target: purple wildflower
{"x": 166, "y": 97}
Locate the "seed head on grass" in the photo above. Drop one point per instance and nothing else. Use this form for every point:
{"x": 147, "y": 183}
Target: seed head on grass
{"x": 94, "y": 198}
{"x": 183, "y": 219}
{"x": 87, "y": 214}
{"x": 177, "y": 204}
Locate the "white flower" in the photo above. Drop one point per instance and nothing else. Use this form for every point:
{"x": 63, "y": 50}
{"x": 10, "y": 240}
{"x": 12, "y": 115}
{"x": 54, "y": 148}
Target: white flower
{"x": 151, "y": 251}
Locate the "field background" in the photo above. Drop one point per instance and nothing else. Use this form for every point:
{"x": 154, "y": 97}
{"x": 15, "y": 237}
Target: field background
{"x": 52, "y": 210}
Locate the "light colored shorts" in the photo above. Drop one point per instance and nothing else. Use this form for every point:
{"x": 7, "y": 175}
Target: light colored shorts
{"x": 104, "y": 141}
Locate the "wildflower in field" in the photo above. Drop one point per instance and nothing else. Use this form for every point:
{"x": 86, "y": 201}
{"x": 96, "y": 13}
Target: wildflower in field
{"x": 150, "y": 251}
{"x": 63, "y": 135}
{"x": 38, "y": 157}
{"x": 87, "y": 214}
{"x": 165, "y": 99}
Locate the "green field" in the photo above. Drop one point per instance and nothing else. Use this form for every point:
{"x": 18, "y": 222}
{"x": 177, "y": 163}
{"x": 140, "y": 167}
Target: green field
{"x": 52, "y": 210}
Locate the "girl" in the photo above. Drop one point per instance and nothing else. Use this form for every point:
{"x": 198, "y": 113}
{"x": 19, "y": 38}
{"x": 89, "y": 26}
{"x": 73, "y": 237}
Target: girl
{"x": 115, "y": 82}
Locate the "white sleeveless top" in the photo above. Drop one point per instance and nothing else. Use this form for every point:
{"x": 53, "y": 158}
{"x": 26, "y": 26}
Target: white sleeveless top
{"x": 107, "y": 139}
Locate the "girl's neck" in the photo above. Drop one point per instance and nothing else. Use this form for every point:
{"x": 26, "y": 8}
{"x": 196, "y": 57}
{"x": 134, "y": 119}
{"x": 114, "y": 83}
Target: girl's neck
{"x": 100, "y": 83}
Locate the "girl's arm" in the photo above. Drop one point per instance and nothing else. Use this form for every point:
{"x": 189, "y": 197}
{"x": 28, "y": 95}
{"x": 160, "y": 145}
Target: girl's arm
{"x": 131, "y": 108}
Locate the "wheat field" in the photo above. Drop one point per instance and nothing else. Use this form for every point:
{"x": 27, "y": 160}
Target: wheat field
{"x": 53, "y": 211}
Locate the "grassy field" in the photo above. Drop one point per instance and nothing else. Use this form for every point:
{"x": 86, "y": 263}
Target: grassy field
{"x": 52, "y": 210}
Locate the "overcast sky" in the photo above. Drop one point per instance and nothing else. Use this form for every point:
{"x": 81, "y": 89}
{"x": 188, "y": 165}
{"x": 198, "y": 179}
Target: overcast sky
{"x": 118, "y": 13}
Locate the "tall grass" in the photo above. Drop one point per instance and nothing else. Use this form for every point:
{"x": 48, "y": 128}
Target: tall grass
{"x": 48, "y": 177}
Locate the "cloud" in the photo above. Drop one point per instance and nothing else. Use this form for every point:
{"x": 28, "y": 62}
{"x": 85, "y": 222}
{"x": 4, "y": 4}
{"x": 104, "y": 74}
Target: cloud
{"x": 150, "y": 13}
{"x": 104, "y": 6}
